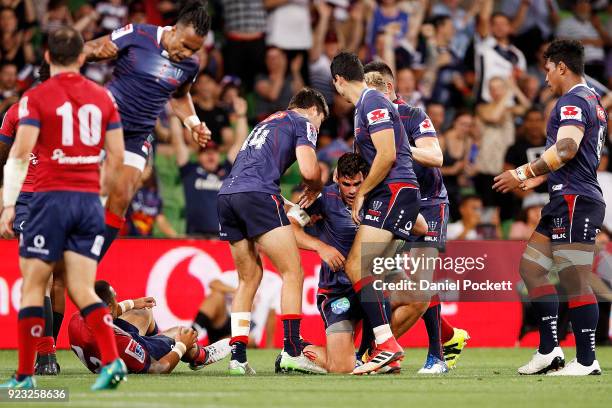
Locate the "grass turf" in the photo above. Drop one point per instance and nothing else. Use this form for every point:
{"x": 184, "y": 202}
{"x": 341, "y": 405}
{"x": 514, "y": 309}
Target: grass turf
{"x": 484, "y": 377}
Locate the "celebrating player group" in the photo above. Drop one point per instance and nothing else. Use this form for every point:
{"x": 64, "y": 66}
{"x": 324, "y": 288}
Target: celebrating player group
{"x": 387, "y": 196}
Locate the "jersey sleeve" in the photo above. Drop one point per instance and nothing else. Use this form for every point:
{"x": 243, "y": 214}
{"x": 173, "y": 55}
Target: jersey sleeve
{"x": 133, "y": 354}
{"x": 306, "y": 134}
{"x": 8, "y": 130}
{"x": 421, "y": 126}
{"x": 378, "y": 113}
{"x": 573, "y": 110}
{"x": 124, "y": 37}
{"x": 29, "y": 111}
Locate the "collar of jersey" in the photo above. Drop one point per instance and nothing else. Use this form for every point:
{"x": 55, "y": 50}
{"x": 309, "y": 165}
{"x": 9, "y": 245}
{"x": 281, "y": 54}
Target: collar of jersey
{"x": 577, "y": 85}
{"x": 160, "y": 31}
{"x": 362, "y": 95}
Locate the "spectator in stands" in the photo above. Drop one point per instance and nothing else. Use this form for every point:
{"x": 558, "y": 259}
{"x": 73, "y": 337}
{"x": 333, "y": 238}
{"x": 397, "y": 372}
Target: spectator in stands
{"x": 463, "y": 21}
{"x": 113, "y": 15}
{"x": 465, "y": 228}
{"x": 437, "y": 114}
{"x": 288, "y": 28}
{"x": 245, "y": 44}
{"x": 533, "y": 23}
{"x": 57, "y": 15}
{"x": 406, "y": 86}
{"x": 274, "y": 90}
{"x": 325, "y": 45}
{"x": 497, "y": 124}
{"x": 456, "y": 147}
{"x": 496, "y": 56}
{"x": 386, "y": 15}
{"x": 25, "y": 11}
{"x": 146, "y": 210}
{"x": 586, "y": 27}
{"x": 8, "y": 86}
{"x": 15, "y": 46}
{"x": 202, "y": 180}
{"x": 206, "y": 93}
{"x": 529, "y": 217}
{"x": 604, "y": 177}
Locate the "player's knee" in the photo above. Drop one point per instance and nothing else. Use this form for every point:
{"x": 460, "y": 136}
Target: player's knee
{"x": 533, "y": 263}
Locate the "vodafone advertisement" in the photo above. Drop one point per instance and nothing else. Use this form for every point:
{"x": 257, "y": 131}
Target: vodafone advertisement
{"x": 177, "y": 273}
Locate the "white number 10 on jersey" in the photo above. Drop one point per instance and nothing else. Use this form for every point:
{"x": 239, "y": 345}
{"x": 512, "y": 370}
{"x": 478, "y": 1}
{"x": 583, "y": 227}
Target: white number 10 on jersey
{"x": 90, "y": 124}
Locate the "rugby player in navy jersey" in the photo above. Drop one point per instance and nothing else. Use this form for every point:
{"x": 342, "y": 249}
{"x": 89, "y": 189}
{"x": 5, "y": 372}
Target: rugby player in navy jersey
{"x": 153, "y": 65}
{"x": 445, "y": 341}
{"x": 565, "y": 237}
{"x": 389, "y": 197}
{"x": 251, "y": 211}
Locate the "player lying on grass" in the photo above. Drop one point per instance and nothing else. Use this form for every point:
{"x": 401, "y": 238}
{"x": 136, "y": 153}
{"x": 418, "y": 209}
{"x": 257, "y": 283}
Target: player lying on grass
{"x": 142, "y": 347}
{"x": 445, "y": 342}
{"x": 214, "y": 313}
{"x": 66, "y": 218}
{"x": 565, "y": 237}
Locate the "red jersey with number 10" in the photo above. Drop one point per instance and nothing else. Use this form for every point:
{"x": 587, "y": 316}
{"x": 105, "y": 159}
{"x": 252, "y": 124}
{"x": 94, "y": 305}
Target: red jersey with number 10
{"x": 73, "y": 114}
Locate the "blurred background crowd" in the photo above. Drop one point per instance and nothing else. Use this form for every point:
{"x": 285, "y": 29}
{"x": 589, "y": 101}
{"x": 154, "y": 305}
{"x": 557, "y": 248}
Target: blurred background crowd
{"x": 475, "y": 66}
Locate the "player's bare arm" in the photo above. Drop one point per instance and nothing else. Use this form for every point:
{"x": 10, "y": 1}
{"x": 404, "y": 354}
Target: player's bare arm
{"x": 15, "y": 171}
{"x": 555, "y": 157}
{"x": 384, "y": 143}
{"x": 328, "y": 253}
{"x": 114, "y": 147}
{"x": 181, "y": 151}
{"x": 311, "y": 174}
{"x": 182, "y": 104}
{"x": 427, "y": 152}
{"x": 100, "y": 49}
{"x": 185, "y": 340}
{"x": 241, "y": 128}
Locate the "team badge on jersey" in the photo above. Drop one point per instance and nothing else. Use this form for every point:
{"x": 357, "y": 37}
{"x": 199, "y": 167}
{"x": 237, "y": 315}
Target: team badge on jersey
{"x": 601, "y": 114}
{"x": 378, "y": 116}
{"x": 340, "y": 306}
{"x": 311, "y": 133}
{"x": 120, "y": 32}
{"x": 135, "y": 350}
{"x": 426, "y": 126}
{"x": 571, "y": 112}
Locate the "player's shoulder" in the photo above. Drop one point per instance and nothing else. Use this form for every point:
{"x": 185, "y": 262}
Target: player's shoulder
{"x": 11, "y": 115}
{"x": 330, "y": 193}
{"x": 373, "y": 96}
{"x": 135, "y": 29}
{"x": 577, "y": 104}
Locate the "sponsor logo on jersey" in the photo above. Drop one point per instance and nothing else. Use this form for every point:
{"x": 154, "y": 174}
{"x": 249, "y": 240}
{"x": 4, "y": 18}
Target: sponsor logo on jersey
{"x": 557, "y": 187}
{"x": 135, "y": 350}
{"x": 120, "y": 32}
{"x": 376, "y": 205}
{"x": 571, "y": 112}
{"x": 378, "y": 116}
{"x": 340, "y": 306}
{"x": 39, "y": 246}
{"x": 61, "y": 158}
{"x": 558, "y": 230}
{"x": 601, "y": 114}
{"x": 311, "y": 133}
{"x": 426, "y": 126}
{"x": 372, "y": 217}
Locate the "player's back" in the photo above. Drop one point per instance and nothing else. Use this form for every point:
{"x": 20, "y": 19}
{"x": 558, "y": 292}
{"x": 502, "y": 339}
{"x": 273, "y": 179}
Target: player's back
{"x": 417, "y": 124}
{"x": 268, "y": 152}
{"x": 374, "y": 113}
{"x": 580, "y": 107}
{"x": 73, "y": 114}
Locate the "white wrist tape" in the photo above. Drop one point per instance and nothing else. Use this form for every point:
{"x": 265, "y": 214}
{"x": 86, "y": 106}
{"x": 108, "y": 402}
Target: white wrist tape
{"x": 15, "y": 171}
{"x": 179, "y": 348}
{"x": 299, "y": 215}
{"x": 126, "y": 305}
{"x": 191, "y": 122}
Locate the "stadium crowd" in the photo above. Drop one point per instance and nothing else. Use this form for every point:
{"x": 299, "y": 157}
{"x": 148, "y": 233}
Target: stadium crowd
{"x": 475, "y": 66}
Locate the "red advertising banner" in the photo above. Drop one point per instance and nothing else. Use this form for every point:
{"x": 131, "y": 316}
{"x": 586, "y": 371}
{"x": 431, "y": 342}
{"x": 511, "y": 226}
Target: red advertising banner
{"x": 178, "y": 273}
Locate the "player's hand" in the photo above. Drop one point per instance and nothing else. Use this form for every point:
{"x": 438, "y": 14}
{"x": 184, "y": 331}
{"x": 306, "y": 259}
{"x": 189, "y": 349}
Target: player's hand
{"x": 187, "y": 336}
{"x": 144, "y": 302}
{"x": 357, "y": 205}
{"x": 307, "y": 197}
{"x": 532, "y": 183}
{"x": 106, "y": 50}
{"x": 201, "y": 134}
{"x": 240, "y": 106}
{"x": 507, "y": 181}
{"x": 6, "y": 222}
{"x": 332, "y": 257}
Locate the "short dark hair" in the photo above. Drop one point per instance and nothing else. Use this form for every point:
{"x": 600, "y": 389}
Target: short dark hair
{"x": 440, "y": 20}
{"x": 570, "y": 52}
{"x": 378, "y": 66}
{"x": 469, "y": 197}
{"x": 103, "y": 290}
{"x": 44, "y": 72}
{"x": 351, "y": 164}
{"x": 533, "y": 109}
{"x": 307, "y": 98}
{"x": 194, "y": 13}
{"x": 65, "y": 46}
{"x": 500, "y": 14}
{"x": 348, "y": 66}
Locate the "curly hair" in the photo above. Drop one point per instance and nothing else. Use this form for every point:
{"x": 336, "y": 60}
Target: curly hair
{"x": 194, "y": 13}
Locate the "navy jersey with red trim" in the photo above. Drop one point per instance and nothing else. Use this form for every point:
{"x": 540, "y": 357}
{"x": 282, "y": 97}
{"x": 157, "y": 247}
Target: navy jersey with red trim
{"x": 268, "y": 152}
{"x": 144, "y": 79}
{"x": 336, "y": 229}
{"x": 579, "y": 107}
{"x": 73, "y": 114}
{"x": 375, "y": 113}
{"x": 417, "y": 125}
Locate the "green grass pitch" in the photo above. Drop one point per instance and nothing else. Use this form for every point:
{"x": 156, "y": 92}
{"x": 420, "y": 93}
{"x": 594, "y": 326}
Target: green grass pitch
{"x": 484, "y": 378}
